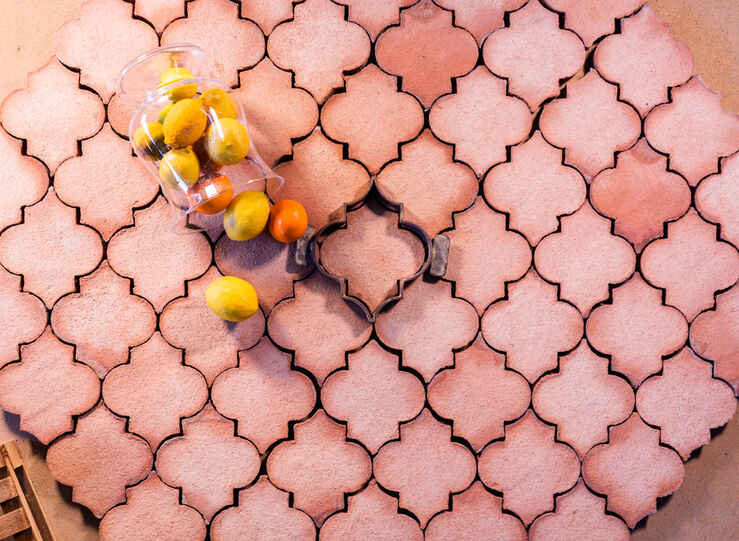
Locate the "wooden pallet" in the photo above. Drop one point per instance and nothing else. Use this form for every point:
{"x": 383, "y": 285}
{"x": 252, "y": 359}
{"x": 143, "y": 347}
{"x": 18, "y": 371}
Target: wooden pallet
{"x": 21, "y": 515}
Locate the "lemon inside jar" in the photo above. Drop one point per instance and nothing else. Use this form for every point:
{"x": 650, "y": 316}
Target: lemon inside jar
{"x": 226, "y": 141}
{"x": 179, "y": 92}
{"x": 184, "y": 123}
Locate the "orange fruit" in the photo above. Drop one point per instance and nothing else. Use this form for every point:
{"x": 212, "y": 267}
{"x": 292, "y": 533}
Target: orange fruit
{"x": 287, "y": 221}
{"x": 217, "y": 193}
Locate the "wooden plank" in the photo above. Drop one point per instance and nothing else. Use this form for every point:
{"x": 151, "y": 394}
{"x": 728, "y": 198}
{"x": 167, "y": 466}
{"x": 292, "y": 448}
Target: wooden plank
{"x": 13, "y": 523}
{"x": 11, "y": 456}
{"x": 7, "y": 490}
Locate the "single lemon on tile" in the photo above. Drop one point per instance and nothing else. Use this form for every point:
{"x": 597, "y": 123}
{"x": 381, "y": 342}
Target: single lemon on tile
{"x": 226, "y": 141}
{"x": 232, "y": 298}
{"x": 211, "y": 195}
{"x": 221, "y": 103}
{"x": 148, "y": 140}
{"x": 246, "y": 216}
{"x": 179, "y": 165}
{"x": 185, "y": 123}
{"x": 287, "y": 221}
{"x": 178, "y": 92}
{"x": 163, "y": 113}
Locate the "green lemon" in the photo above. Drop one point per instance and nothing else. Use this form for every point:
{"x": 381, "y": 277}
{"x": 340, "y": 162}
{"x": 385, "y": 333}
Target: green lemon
{"x": 185, "y": 123}
{"x": 179, "y": 165}
{"x": 148, "y": 140}
{"x": 221, "y": 103}
{"x": 178, "y": 92}
{"x": 246, "y": 215}
{"x": 226, "y": 141}
{"x": 232, "y": 298}
{"x": 163, "y": 113}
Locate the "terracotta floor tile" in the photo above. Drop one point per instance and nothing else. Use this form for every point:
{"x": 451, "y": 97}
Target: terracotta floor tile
{"x": 159, "y": 12}
{"x": 375, "y": 16}
{"x": 22, "y": 317}
{"x": 593, "y": 20}
{"x": 480, "y": 17}
{"x": 119, "y": 113}
{"x": 267, "y": 13}
{"x": 319, "y": 466}
{"x": 25, "y": 180}
{"x": 424, "y": 466}
{"x": 717, "y": 199}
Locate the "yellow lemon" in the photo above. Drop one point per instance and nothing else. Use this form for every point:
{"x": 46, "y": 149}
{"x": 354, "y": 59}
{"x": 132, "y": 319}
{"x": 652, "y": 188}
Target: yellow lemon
{"x": 179, "y": 165}
{"x": 246, "y": 215}
{"x": 178, "y": 92}
{"x": 163, "y": 113}
{"x": 232, "y": 298}
{"x": 148, "y": 140}
{"x": 221, "y": 102}
{"x": 226, "y": 141}
{"x": 185, "y": 123}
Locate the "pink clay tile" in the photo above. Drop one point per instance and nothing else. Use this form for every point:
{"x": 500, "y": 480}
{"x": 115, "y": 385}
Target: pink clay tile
{"x": 636, "y": 330}
{"x": 119, "y": 113}
{"x": 104, "y": 308}
{"x": 106, "y": 182}
{"x": 99, "y": 460}
{"x": 47, "y": 388}
{"x": 632, "y": 470}
{"x": 207, "y": 462}
{"x": 478, "y": 394}
{"x": 158, "y": 260}
{"x": 277, "y": 112}
{"x": 267, "y": 13}
{"x": 373, "y": 395}
{"x": 644, "y": 59}
{"x": 714, "y": 334}
{"x": 318, "y": 46}
{"x": 480, "y": 17}
{"x": 22, "y": 317}
{"x": 372, "y": 116}
{"x": 590, "y": 124}
{"x": 429, "y": 183}
{"x": 371, "y": 514}
{"x": 78, "y": 114}
{"x": 529, "y": 467}
{"x": 534, "y": 188}
{"x": 319, "y": 466}
{"x": 25, "y": 180}
{"x": 552, "y": 53}
{"x": 50, "y": 234}
{"x": 477, "y": 513}
{"x": 373, "y": 254}
{"x": 263, "y": 394}
{"x": 321, "y": 179}
{"x": 428, "y": 324}
{"x": 155, "y": 390}
{"x": 152, "y": 511}
{"x": 640, "y": 194}
{"x": 101, "y": 41}
{"x": 690, "y": 264}
{"x": 484, "y": 255}
{"x": 211, "y": 344}
{"x": 375, "y": 16}
{"x": 591, "y": 20}
{"x": 531, "y": 326}
{"x": 584, "y": 258}
{"x": 583, "y": 399}
{"x": 579, "y": 514}
{"x": 159, "y": 12}
{"x": 686, "y": 402}
{"x": 318, "y": 325}
{"x": 694, "y": 130}
{"x": 717, "y": 199}
{"x": 426, "y": 51}
{"x": 424, "y": 466}
{"x": 480, "y": 119}
{"x": 231, "y": 43}
{"x": 263, "y": 513}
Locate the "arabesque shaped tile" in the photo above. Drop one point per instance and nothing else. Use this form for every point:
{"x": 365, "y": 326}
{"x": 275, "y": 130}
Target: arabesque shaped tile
{"x": 263, "y": 394}
{"x": 640, "y": 194}
{"x": 372, "y": 116}
{"x": 552, "y": 53}
{"x": 632, "y": 470}
{"x": 690, "y": 264}
{"x": 484, "y": 255}
{"x": 375, "y": 16}
{"x": 156, "y": 258}
{"x": 429, "y": 183}
{"x": 480, "y": 119}
{"x": 427, "y": 324}
{"x": 99, "y": 460}
{"x": 159, "y": 12}
{"x": 155, "y": 390}
{"x": 593, "y": 20}
{"x": 101, "y": 41}
{"x": 50, "y": 234}
{"x": 78, "y": 114}
{"x": 211, "y": 344}
{"x": 531, "y": 326}
{"x": 25, "y": 180}
{"x": 644, "y": 59}
{"x": 47, "y": 388}
{"x": 119, "y": 112}
{"x": 583, "y": 399}
{"x": 529, "y": 467}
{"x": 585, "y": 258}
{"x": 478, "y": 394}
{"x": 717, "y": 199}
{"x": 22, "y": 317}
{"x": 636, "y": 330}
{"x": 152, "y": 511}
{"x": 480, "y": 17}
{"x": 590, "y": 124}
{"x": 694, "y": 130}
{"x": 318, "y": 46}
{"x": 373, "y": 395}
{"x": 207, "y": 462}
{"x": 267, "y": 13}
{"x": 424, "y": 466}
{"x": 426, "y": 51}
{"x": 319, "y": 466}
{"x": 686, "y": 402}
